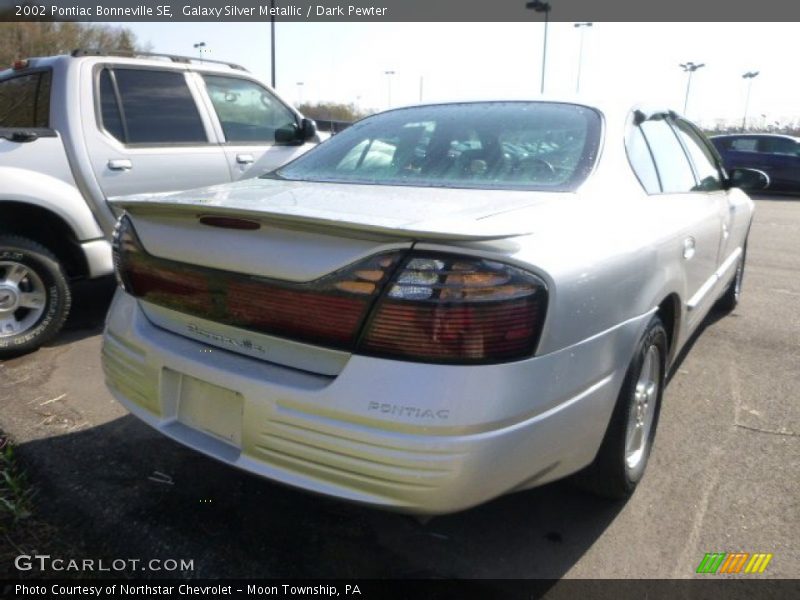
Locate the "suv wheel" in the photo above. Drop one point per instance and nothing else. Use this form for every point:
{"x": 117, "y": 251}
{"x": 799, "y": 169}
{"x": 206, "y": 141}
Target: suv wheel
{"x": 34, "y": 295}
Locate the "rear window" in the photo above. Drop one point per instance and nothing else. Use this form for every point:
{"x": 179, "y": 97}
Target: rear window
{"x": 140, "y": 106}
{"x": 25, "y": 100}
{"x": 511, "y": 145}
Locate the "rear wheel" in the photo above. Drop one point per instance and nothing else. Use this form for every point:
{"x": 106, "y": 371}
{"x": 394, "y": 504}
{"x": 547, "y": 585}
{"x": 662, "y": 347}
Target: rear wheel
{"x": 623, "y": 454}
{"x": 34, "y": 295}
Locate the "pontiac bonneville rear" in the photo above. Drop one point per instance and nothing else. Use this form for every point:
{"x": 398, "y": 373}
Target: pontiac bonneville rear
{"x": 439, "y": 305}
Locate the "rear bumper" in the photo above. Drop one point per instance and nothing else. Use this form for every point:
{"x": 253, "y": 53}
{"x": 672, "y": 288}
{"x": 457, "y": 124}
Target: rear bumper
{"x": 410, "y": 437}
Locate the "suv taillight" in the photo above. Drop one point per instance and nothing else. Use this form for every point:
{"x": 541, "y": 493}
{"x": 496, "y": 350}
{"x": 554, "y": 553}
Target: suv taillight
{"x": 427, "y": 307}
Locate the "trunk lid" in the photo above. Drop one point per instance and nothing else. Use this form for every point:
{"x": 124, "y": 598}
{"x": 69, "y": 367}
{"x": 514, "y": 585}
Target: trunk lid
{"x": 306, "y": 232}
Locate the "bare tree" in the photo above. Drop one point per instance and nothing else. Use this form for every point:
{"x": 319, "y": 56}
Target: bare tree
{"x": 333, "y": 111}
{"x": 29, "y": 39}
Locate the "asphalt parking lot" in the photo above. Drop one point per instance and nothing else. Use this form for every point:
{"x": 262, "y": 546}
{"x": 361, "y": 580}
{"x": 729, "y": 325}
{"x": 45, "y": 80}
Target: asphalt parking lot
{"x": 723, "y": 477}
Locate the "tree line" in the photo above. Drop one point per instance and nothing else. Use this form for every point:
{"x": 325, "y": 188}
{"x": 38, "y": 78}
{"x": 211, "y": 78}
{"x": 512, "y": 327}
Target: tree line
{"x": 29, "y": 39}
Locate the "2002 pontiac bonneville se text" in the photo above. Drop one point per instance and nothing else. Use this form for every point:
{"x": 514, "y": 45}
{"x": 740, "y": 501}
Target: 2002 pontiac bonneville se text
{"x": 437, "y": 306}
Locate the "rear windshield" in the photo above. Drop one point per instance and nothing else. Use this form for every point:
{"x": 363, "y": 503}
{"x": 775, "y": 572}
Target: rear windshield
{"x": 25, "y": 100}
{"x": 512, "y": 145}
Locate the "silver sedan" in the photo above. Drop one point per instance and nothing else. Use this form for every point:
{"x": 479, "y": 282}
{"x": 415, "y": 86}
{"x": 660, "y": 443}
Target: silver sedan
{"x": 440, "y": 305}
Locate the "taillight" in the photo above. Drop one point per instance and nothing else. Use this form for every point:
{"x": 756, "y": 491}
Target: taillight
{"x": 456, "y": 309}
{"x": 329, "y": 311}
{"x": 433, "y": 307}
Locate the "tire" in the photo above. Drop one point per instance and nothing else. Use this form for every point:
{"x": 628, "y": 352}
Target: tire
{"x": 34, "y": 295}
{"x": 730, "y": 299}
{"x": 619, "y": 466}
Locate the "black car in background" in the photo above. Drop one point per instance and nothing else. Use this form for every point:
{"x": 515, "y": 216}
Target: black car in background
{"x": 777, "y": 155}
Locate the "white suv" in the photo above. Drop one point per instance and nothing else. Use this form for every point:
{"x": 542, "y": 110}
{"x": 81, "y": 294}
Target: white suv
{"x": 77, "y": 130}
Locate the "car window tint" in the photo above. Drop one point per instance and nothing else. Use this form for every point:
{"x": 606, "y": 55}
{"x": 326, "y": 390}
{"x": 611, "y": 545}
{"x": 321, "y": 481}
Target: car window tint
{"x": 705, "y": 164}
{"x": 673, "y": 167}
{"x": 642, "y": 161}
{"x": 777, "y": 145}
{"x": 158, "y": 107}
{"x": 109, "y": 109}
{"x": 514, "y": 145}
{"x": 25, "y": 101}
{"x": 247, "y": 111}
{"x": 744, "y": 144}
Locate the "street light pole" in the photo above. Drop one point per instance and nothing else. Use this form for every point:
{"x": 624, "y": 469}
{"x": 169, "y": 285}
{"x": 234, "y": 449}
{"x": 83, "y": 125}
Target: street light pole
{"x": 272, "y": 40}
{"x": 750, "y": 75}
{"x": 388, "y": 88}
{"x": 199, "y": 47}
{"x": 582, "y": 27}
{"x": 690, "y": 68}
{"x": 542, "y": 7}
{"x": 300, "y": 92}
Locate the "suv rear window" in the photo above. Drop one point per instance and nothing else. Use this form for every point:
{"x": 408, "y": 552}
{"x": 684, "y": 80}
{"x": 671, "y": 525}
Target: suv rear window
{"x": 140, "y": 106}
{"x": 25, "y": 100}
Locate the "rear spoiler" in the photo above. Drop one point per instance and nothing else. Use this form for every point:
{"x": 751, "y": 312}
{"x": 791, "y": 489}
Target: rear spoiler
{"x": 479, "y": 229}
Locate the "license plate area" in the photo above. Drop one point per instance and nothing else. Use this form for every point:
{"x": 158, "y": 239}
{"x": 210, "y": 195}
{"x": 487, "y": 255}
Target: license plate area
{"x": 211, "y": 409}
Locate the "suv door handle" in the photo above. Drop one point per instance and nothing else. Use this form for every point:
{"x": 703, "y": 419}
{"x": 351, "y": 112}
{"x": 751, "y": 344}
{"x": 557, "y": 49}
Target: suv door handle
{"x": 244, "y": 159}
{"x": 23, "y": 137}
{"x": 120, "y": 164}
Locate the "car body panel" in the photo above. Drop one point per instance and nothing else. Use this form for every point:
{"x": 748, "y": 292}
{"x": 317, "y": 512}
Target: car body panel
{"x": 416, "y": 436}
{"x": 337, "y": 436}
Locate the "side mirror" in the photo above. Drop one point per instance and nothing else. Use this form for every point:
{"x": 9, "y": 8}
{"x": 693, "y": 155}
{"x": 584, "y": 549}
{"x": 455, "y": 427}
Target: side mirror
{"x": 308, "y": 130}
{"x": 288, "y": 135}
{"x": 751, "y": 180}
{"x": 297, "y": 134}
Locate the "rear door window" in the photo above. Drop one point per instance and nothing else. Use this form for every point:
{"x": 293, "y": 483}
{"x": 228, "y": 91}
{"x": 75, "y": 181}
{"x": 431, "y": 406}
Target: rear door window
{"x": 673, "y": 166}
{"x": 642, "y": 161}
{"x": 25, "y": 100}
{"x": 705, "y": 164}
{"x": 142, "y": 106}
{"x": 777, "y": 145}
{"x": 109, "y": 106}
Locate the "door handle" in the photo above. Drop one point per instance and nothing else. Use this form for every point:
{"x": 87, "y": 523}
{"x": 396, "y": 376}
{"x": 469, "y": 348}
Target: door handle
{"x": 120, "y": 164}
{"x": 688, "y": 247}
{"x": 244, "y": 159}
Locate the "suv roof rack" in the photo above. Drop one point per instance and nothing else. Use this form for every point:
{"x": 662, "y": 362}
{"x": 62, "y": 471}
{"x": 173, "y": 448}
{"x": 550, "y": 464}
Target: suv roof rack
{"x": 172, "y": 57}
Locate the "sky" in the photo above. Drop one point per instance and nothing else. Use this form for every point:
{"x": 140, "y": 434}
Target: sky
{"x": 346, "y": 62}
